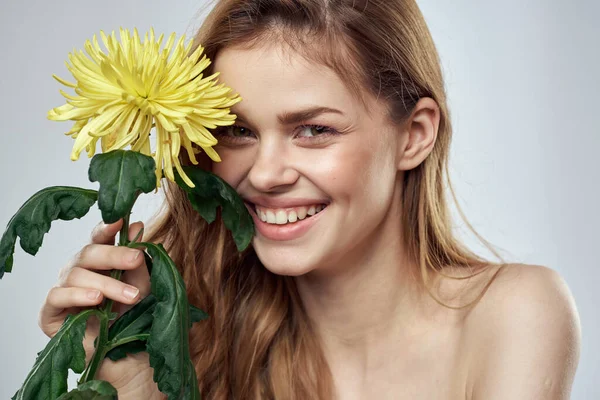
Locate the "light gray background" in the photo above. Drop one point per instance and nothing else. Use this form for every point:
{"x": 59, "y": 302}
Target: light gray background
{"x": 523, "y": 82}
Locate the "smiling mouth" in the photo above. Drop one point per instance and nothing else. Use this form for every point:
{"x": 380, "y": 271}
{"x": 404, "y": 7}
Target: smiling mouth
{"x": 286, "y": 216}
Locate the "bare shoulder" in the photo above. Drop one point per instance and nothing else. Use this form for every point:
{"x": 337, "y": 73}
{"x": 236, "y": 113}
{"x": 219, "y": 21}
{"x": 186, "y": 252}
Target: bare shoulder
{"x": 524, "y": 336}
{"x": 524, "y": 291}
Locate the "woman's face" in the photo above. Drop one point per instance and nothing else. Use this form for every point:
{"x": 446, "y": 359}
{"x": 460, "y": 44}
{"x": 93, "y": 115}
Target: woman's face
{"x": 317, "y": 169}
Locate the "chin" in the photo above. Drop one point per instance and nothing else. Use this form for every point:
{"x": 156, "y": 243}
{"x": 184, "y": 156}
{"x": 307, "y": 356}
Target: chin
{"x": 281, "y": 262}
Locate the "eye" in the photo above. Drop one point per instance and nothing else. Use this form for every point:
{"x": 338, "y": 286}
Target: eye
{"x": 314, "y": 130}
{"x": 234, "y": 131}
{"x": 234, "y": 135}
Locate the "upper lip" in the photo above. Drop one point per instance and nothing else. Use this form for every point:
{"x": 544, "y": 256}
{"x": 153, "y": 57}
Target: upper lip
{"x": 269, "y": 202}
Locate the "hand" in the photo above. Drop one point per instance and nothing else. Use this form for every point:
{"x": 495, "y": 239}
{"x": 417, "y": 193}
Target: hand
{"x": 84, "y": 283}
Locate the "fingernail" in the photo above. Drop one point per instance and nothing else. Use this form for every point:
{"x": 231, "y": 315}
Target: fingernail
{"x": 93, "y": 294}
{"x": 130, "y": 292}
{"x": 133, "y": 255}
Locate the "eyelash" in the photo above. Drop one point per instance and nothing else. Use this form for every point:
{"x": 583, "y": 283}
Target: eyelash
{"x": 327, "y": 132}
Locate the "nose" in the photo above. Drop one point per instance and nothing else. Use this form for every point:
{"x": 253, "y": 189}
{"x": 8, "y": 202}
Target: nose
{"x": 273, "y": 168}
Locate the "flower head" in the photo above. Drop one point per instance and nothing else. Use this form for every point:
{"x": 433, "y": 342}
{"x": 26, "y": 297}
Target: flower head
{"x": 137, "y": 86}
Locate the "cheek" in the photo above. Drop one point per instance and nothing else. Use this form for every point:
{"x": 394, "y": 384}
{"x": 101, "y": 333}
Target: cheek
{"x": 361, "y": 174}
{"x": 233, "y": 166}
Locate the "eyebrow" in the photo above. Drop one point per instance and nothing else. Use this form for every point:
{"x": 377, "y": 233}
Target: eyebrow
{"x": 290, "y": 118}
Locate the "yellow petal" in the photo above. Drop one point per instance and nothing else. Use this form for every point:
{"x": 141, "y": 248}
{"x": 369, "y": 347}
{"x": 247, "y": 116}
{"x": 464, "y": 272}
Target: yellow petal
{"x": 81, "y": 141}
{"x": 122, "y": 92}
{"x": 166, "y": 123}
{"x": 187, "y": 144}
{"x": 124, "y": 135}
{"x": 64, "y": 82}
{"x": 77, "y": 126}
{"x": 183, "y": 175}
{"x": 101, "y": 124}
{"x": 212, "y": 154}
{"x": 107, "y": 142}
{"x": 175, "y": 143}
{"x": 67, "y": 112}
{"x": 168, "y": 162}
{"x": 91, "y": 147}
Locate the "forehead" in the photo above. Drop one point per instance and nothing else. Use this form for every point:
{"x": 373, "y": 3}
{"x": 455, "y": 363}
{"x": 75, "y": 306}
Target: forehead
{"x": 275, "y": 75}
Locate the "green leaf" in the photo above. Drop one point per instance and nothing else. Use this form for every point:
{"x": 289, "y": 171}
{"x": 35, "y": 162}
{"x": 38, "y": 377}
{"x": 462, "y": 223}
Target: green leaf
{"x": 197, "y": 315}
{"x": 168, "y": 344}
{"x": 123, "y": 175}
{"x": 32, "y": 221}
{"x": 209, "y": 192}
{"x": 133, "y": 347}
{"x": 92, "y": 390}
{"x": 148, "y": 261}
{"x": 47, "y": 380}
{"x": 129, "y": 333}
{"x": 136, "y": 320}
{"x": 112, "y": 316}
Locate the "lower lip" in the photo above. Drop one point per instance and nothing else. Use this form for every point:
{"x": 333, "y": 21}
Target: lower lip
{"x": 288, "y": 231}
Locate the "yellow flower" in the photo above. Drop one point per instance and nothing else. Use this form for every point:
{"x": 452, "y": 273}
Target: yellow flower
{"x": 134, "y": 87}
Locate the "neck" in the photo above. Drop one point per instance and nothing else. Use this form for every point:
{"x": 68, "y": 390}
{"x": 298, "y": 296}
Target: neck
{"x": 369, "y": 296}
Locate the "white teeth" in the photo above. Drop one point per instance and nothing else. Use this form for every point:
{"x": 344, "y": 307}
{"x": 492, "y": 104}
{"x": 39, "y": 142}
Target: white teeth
{"x": 281, "y": 217}
{"x": 301, "y": 212}
{"x": 292, "y": 216}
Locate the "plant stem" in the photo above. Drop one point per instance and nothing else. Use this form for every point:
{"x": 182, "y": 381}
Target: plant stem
{"x": 124, "y": 233}
{"x": 106, "y": 309}
{"x": 99, "y": 354}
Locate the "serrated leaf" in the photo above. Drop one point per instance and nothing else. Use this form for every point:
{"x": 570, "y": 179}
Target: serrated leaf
{"x": 48, "y": 378}
{"x": 132, "y": 328}
{"x": 133, "y": 347}
{"x": 168, "y": 344}
{"x": 209, "y": 192}
{"x": 136, "y": 320}
{"x": 92, "y": 390}
{"x": 123, "y": 175}
{"x": 33, "y": 220}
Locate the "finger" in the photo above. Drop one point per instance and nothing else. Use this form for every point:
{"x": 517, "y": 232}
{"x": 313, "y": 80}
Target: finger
{"x": 138, "y": 276}
{"x": 62, "y": 301}
{"x": 108, "y": 257}
{"x": 134, "y": 229}
{"x": 105, "y": 233}
{"x": 110, "y": 287}
{"x": 60, "y": 298}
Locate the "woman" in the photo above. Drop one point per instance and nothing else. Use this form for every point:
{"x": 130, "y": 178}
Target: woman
{"x": 354, "y": 286}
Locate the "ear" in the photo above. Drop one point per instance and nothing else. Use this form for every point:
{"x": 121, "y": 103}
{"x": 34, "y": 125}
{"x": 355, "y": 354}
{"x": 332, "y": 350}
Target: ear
{"x": 419, "y": 134}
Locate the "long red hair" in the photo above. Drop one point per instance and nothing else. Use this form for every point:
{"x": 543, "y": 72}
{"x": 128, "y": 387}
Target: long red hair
{"x": 258, "y": 342}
